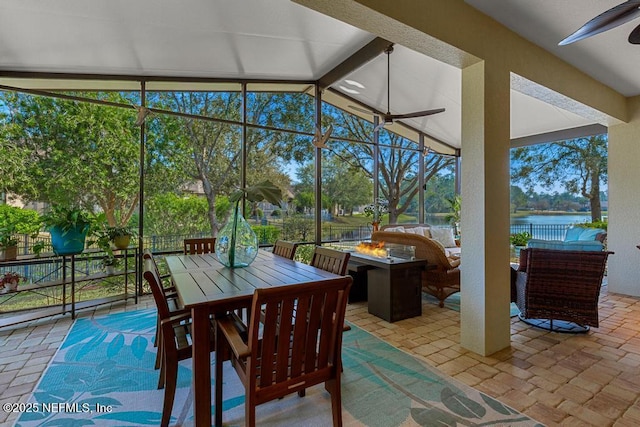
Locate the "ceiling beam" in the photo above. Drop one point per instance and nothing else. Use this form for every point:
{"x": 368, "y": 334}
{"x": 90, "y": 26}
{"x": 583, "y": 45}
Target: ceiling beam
{"x": 560, "y": 135}
{"x": 371, "y": 50}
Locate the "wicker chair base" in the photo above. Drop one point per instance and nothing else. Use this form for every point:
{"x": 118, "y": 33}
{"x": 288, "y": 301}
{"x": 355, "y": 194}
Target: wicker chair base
{"x": 552, "y": 325}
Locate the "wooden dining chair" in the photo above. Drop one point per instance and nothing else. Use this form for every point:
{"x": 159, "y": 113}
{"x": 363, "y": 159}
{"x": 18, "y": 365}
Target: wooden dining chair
{"x": 283, "y": 352}
{"x": 175, "y": 340}
{"x": 330, "y": 260}
{"x": 205, "y": 245}
{"x": 285, "y": 249}
{"x": 170, "y": 296}
{"x": 333, "y": 261}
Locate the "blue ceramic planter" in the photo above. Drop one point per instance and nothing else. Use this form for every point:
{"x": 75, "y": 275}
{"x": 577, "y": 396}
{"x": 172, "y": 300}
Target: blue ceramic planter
{"x": 68, "y": 242}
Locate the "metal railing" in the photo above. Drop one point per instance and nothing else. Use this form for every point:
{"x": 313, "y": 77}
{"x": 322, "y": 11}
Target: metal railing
{"x": 542, "y": 231}
{"x": 266, "y": 237}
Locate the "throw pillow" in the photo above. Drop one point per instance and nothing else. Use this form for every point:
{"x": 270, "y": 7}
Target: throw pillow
{"x": 444, "y": 236}
{"x": 395, "y": 229}
{"x": 573, "y": 234}
{"x": 424, "y": 231}
{"x": 590, "y": 233}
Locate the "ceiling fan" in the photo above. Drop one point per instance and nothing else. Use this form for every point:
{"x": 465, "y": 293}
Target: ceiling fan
{"x": 614, "y": 17}
{"x": 388, "y": 118}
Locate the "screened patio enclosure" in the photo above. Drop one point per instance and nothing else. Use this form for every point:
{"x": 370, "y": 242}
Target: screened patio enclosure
{"x": 221, "y": 137}
{"x": 435, "y": 58}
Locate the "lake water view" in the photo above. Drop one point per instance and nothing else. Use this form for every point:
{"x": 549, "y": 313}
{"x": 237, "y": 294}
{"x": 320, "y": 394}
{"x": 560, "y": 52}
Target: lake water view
{"x": 549, "y": 227}
{"x": 552, "y": 219}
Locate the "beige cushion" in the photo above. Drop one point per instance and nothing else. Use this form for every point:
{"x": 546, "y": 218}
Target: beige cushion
{"x": 413, "y": 230}
{"x": 453, "y": 251}
{"x": 444, "y": 236}
{"x": 424, "y": 231}
{"x": 395, "y": 229}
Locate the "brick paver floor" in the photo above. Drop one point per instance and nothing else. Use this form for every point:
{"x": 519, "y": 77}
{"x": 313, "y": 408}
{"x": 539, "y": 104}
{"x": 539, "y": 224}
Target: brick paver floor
{"x": 558, "y": 379}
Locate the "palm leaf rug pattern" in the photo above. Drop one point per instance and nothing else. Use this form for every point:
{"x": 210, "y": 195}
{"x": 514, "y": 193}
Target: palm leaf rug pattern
{"x": 103, "y": 375}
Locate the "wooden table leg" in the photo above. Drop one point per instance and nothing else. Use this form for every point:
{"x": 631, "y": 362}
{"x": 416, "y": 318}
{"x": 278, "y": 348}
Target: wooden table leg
{"x": 218, "y": 380}
{"x": 201, "y": 335}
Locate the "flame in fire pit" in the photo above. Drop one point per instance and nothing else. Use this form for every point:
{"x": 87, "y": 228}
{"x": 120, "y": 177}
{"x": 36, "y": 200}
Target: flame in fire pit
{"x": 372, "y": 248}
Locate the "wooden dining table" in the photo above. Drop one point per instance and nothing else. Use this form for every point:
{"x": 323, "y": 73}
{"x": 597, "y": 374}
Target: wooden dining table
{"x": 209, "y": 289}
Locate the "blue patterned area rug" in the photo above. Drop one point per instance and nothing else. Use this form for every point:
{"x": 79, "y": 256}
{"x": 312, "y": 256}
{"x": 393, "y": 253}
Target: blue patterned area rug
{"x": 103, "y": 375}
{"x": 453, "y": 303}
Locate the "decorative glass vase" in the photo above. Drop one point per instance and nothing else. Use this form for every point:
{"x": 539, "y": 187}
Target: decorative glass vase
{"x": 237, "y": 244}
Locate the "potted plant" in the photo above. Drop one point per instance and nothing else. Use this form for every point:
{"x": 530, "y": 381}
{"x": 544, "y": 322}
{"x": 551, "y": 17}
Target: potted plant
{"x": 10, "y": 282}
{"x": 39, "y": 246}
{"x": 519, "y": 240}
{"x": 455, "y": 203}
{"x": 8, "y": 243}
{"x": 237, "y": 243}
{"x": 68, "y": 227}
{"x": 121, "y": 235}
{"x": 378, "y": 208}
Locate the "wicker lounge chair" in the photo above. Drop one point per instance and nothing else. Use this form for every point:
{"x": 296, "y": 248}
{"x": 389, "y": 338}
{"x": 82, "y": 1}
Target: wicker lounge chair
{"x": 560, "y": 286}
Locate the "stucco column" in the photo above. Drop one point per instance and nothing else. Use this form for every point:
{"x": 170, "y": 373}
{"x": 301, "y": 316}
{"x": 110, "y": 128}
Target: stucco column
{"x": 484, "y": 317}
{"x": 624, "y": 204}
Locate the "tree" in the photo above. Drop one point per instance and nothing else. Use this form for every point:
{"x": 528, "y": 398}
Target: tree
{"x": 438, "y": 191}
{"x": 580, "y": 165}
{"x": 519, "y": 198}
{"x": 398, "y": 162}
{"x": 344, "y": 186}
{"x": 179, "y": 214}
{"x": 78, "y": 153}
{"x": 210, "y": 151}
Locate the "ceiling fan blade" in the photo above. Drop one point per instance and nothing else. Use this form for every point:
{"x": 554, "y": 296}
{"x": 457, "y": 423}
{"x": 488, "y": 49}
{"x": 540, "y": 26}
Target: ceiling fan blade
{"x": 612, "y": 18}
{"x": 634, "y": 37}
{"x": 416, "y": 114}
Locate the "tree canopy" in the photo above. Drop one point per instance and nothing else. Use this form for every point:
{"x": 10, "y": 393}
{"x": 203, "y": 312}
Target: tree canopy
{"x": 73, "y": 153}
{"x": 580, "y": 165}
{"x": 69, "y": 152}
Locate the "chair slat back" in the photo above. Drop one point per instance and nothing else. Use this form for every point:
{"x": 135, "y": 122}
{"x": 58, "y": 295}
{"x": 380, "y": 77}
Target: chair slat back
{"x": 205, "y": 245}
{"x": 330, "y": 260}
{"x": 294, "y": 349}
{"x": 153, "y": 279}
{"x": 285, "y": 249}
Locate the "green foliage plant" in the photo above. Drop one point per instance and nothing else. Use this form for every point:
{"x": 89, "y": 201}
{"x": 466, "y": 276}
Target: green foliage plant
{"x": 67, "y": 218}
{"x": 520, "y": 239}
{"x": 121, "y": 231}
{"x": 267, "y": 234}
{"x": 68, "y": 221}
{"x": 264, "y": 190}
{"x": 103, "y": 236}
{"x": 25, "y": 221}
{"x": 183, "y": 214}
{"x": 39, "y": 247}
{"x": 455, "y": 205}
{"x": 594, "y": 224}
{"x": 7, "y": 236}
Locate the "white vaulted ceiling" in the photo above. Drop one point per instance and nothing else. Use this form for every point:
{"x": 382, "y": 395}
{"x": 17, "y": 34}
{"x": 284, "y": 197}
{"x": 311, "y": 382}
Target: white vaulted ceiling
{"x": 279, "y": 40}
